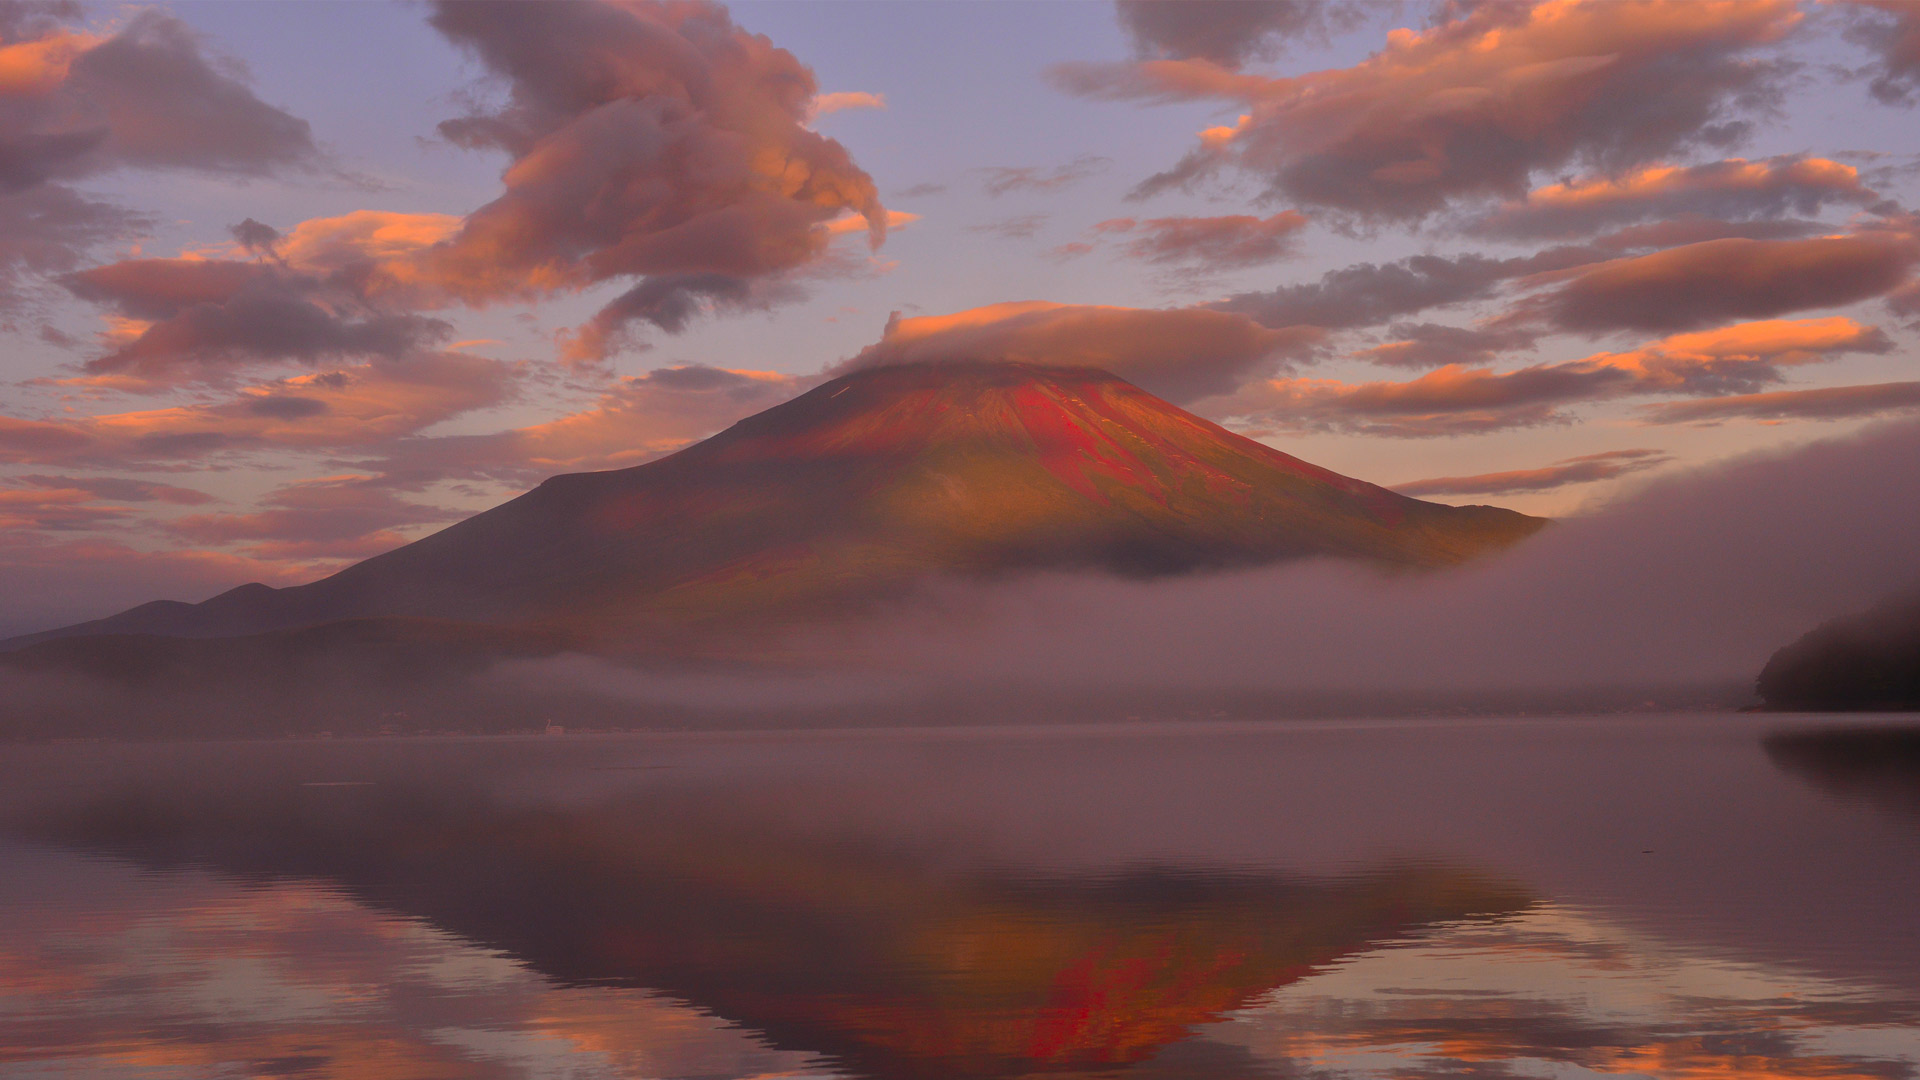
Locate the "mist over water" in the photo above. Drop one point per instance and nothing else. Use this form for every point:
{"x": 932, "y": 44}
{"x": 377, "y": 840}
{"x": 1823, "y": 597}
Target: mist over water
{"x": 1695, "y": 580}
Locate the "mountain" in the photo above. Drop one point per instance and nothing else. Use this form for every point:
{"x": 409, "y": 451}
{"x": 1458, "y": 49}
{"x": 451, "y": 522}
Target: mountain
{"x": 1869, "y": 661}
{"x": 854, "y": 491}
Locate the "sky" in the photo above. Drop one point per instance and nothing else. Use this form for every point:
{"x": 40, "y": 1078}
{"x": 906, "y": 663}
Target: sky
{"x": 284, "y": 286}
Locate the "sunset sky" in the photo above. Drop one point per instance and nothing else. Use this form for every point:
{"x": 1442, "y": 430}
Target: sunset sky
{"x": 284, "y": 286}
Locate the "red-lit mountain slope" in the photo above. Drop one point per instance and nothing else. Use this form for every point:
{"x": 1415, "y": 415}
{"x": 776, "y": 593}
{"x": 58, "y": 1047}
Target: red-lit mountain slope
{"x": 858, "y": 488}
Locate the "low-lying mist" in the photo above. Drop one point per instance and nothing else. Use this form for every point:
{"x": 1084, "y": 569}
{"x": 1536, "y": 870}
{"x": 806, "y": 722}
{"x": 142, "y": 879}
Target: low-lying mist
{"x": 1696, "y": 579}
{"x": 1675, "y": 595}
{"x": 1678, "y": 592}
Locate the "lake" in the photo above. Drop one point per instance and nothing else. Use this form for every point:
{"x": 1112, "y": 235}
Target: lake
{"x": 1649, "y": 895}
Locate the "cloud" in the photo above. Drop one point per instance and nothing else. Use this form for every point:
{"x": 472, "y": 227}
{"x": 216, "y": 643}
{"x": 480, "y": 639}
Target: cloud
{"x": 1369, "y": 293}
{"x": 1022, "y": 227}
{"x": 1178, "y": 353}
{"x": 669, "y": 302}
{"x": 1233, "y": 242}
{"x": 120, "y": 489}
{"x": 351, "y": 242}
{"x": 331, "y": 517}
{"x": 159, "y": 102}
{"x": 147, "y": 97}
{"x": 1428, "y": 345}
{"x": 639, "y": 418}
{"x": 70, "y": 504}
{"x": 42, "y": 440}
{"x": 1473, "y": 106}
{"x": 55, "y": 509}
{"x": 1698, "y": 284}
{"x": 206, "y": 317}
{"x": 255, "y": 238}
{"x": 651, "y": 142}
{"x": 847, "y": 99}
{"x": 354, "y": 406}
{"x": 1693, "y": 229}
{"x": 852, "y": 223}
{"x": 1448, "y": 401}
{"x": 75, "y": 104}
{"x": 1230, "y": 32}
{"x": 370, "y": 415}
{"x": 1577, "y": 470}
{"x": 1457, "y": 400}
{"x": 1730, "y": 189}
{"x": 357, "y": 406}
{"x": 1906, "y": 300}
{"x": 50, "y": 230}
{"x": 1000, "y": 180}
{"x": 1825, "y": 403}
{"x": 1891, "y": 29}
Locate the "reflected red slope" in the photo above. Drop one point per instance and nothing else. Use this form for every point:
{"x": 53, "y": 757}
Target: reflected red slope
{"x": 895, "y": 963}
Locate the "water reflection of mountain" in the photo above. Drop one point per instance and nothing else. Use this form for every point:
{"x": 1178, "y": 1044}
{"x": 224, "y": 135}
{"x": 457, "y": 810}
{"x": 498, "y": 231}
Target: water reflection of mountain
{"x": 886, "y": 959}
{"x": 1876, "y": 765}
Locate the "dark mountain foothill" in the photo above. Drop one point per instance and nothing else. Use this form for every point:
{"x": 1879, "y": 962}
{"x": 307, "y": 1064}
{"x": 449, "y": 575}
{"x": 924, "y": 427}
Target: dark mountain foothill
{"x": 1864, "y": 662}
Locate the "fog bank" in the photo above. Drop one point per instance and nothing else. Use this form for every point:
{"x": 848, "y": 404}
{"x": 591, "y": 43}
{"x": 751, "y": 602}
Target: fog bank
{"x": 1694, "y": 580}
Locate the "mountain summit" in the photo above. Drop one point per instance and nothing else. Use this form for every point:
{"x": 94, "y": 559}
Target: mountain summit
{"x": 855, "y": 490}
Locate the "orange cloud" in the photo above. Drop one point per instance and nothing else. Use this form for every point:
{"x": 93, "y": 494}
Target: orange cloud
{"x": 855, "y": 223}
{"x": 697, "y": 177}
{"x": 354, "y": 406}
{"x": 145, "y": 96}
{"x": 121, "y": 489}
{"x": 1584, "y": 469}
{"x": 1455, "y": 400}
{"x": 668, "y": 149}
{"x": 75, "y": 104}
{"x": 646, "y": 416}
{"x": 33, "y": 68}
{"x": 54, "y": 508}
{"x": 325, "y": 245}
{"x": 1479, "y": 102}
{"x": 1707, "y": 282}
{"x": 1823, "y": 403}
{"x": 196, "y": 320}
{"x": 1734, "y": 188}
{"x": 847, "y": 99}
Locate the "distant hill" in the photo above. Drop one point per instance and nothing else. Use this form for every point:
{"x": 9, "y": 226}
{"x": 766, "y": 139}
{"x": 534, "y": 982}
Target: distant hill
{"x": 856, "y": 490}
{"x": 1869, "y": 661}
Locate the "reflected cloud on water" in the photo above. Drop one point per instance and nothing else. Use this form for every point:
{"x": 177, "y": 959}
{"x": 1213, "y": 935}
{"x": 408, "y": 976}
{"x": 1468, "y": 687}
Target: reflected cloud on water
{"x": 1561, "y": 992}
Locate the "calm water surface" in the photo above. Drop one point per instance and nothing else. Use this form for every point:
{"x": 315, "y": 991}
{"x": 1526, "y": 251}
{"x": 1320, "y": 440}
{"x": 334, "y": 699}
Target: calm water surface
{"x": 1657, "y": 896}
